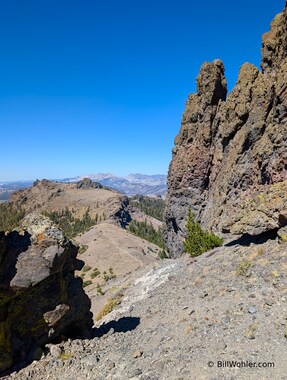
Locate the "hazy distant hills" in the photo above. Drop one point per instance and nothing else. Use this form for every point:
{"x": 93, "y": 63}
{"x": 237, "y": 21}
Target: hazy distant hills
{"x": 130, "y": 185}
{"x": 6, "y": 188}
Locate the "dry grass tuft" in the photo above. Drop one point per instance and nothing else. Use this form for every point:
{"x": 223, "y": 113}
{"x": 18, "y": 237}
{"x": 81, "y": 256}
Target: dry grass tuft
{"x": 109, "y": 306}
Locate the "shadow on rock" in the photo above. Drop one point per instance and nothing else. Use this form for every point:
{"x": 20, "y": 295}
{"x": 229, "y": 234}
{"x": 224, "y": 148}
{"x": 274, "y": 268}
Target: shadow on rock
{"x": 247, "y": 239}
{"x": 123, "y": 325}
{"x": 16, "y": 244}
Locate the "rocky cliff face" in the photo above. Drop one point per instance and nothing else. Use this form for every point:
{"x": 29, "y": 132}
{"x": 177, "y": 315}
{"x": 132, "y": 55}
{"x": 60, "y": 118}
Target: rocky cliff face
{"x": 40, "y": 298}
{"x": 229, "y": 162}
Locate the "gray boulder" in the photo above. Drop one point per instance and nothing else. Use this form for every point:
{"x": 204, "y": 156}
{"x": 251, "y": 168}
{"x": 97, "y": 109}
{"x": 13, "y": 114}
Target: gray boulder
{"x": 40, "y": 298}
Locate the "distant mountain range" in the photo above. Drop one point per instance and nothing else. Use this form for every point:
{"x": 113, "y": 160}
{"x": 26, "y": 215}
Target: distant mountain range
{"x": 130, "y": 185}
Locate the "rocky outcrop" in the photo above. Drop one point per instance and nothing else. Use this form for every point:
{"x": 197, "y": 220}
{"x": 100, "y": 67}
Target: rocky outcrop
{"x": 229, "y": 163}
{"x": 40, "y": 298}
{"x": 123, "y": 215}
{"x": 87, "y": 183}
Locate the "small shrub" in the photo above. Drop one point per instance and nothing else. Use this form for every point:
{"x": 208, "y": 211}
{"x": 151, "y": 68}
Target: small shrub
{"x": 283, "y": 237}
{"x": 109, "y": 276}
{"x": 275, "y": 273}
{"x": 242, "y": 267}
{"x": 87, "y": 283}
{"x": 250, "y": 332}
{"x": 99, "y": 290}
{"x": 109, "y": 306}
{"x": 197, "y": 240}
{"x": 86, "y": 268}
{"x": 162, "y": 255}
{"x": 66, "y": 355}
{"x": 82, "y": 249}
{"x": 189, "y": 329}
{"x": 260, "y": 251}
{"x": 95, "y": 274}
{"x": 105, "y": 276}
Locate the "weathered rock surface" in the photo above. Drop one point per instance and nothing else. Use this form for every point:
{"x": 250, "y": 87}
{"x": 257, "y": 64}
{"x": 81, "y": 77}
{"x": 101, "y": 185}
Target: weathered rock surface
{"x": 40, "y": 298}
{"x": 229, "y": 162}
{"x": 87, "y": 183}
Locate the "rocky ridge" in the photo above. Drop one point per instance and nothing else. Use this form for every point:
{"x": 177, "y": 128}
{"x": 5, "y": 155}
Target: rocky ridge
{"x": 133, "y": 184}
{"x": 48, "y": 196}
{"x": 229, "y": 162}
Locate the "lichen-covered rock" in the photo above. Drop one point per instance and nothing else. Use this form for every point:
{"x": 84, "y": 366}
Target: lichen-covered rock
{"x": 258, "y": 210}
{"x": 40, "y": 298}
{"x": 282, "y": 235}
{"x": 274, "y": 44}
{"x": 231, "y": 153}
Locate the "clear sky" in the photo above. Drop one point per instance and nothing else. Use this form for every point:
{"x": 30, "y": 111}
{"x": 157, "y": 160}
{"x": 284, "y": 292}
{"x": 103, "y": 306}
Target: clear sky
{"x": 92, "y": 86}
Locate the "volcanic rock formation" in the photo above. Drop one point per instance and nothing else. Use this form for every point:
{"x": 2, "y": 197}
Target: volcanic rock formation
{"x": 40, "y": 298}
{"x": 87, "y": 183}
{"x": 229, "y": 162}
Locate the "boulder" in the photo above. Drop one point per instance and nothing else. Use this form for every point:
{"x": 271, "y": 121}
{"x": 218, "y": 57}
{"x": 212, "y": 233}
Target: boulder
{"x": 87, "y": 183}
{"x": 40, "y": 298}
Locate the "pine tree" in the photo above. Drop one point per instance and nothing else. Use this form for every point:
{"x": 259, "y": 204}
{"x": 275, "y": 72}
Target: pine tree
{"x": 197, "y": 240}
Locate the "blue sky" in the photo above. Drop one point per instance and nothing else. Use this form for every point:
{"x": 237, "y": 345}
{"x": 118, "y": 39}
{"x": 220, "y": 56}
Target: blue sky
{"x": 100, "y": 86}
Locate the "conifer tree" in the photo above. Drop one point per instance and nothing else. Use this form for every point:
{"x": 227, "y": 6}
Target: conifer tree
{"x": 197, "y": 240}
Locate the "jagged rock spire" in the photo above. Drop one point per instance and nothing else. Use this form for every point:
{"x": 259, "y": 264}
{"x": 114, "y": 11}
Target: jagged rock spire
{"x": 274, "y": 43}
{"x": 229, "y": 161}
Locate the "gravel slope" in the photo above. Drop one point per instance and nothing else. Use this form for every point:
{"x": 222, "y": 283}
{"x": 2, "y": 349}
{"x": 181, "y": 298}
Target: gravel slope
{"x": 228, "y": 304}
